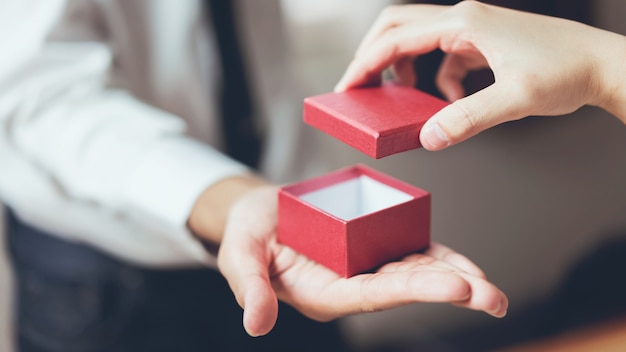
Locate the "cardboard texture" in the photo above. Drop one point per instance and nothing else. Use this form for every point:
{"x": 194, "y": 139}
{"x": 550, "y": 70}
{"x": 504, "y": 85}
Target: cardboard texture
{"x": 378, "y": 121}
{"x": 354, "y": 220}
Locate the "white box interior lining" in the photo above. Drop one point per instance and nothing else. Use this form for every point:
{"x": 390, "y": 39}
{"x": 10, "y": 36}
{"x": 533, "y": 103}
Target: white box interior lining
{"x": 355, "y": 197}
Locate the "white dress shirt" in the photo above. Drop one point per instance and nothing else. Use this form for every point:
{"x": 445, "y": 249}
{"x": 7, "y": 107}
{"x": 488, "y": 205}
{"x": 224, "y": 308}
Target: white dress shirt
{"x": 108, "y": 126}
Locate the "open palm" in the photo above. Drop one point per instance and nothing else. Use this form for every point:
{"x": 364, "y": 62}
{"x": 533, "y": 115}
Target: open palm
{"x": 260, "y": 271}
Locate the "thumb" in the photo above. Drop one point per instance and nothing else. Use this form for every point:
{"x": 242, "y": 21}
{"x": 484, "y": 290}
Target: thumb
{"x": 471, "y": 115}
{"x": 245, "y": 267}
{"x": 245, "y": 257}
{"x": 260, "y": 306}
{"x": 254, "y": 293}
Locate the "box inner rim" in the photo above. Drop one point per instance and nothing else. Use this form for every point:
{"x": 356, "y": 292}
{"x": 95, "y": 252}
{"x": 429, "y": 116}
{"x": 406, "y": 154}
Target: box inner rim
{"x": 355, "y": 197}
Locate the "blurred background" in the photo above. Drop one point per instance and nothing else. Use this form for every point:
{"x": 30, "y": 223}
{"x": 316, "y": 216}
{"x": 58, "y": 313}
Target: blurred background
{"x": 527, "y": 201}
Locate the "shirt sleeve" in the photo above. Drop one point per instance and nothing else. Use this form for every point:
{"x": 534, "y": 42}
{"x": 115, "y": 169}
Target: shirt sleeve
{"x": 98, "y": 144}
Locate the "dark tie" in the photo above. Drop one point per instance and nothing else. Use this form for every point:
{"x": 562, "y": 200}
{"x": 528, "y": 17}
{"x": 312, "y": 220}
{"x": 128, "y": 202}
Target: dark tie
{"x": 242, "y": 141}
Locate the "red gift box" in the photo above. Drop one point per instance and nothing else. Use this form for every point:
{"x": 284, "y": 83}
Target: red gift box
{"x": 354, "y": 220}
{"x": 379, "y": 121}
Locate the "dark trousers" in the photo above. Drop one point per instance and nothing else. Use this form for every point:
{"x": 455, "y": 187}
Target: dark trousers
{"x": 72, "y": 298}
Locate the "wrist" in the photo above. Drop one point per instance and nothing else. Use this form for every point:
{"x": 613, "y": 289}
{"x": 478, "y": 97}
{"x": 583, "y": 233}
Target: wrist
{"x": 612, "y": 74}
{"x": 210, "y": 212}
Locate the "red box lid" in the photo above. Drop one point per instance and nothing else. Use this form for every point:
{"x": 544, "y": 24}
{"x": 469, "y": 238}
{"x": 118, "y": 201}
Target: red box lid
{"x": 379, "y": 121}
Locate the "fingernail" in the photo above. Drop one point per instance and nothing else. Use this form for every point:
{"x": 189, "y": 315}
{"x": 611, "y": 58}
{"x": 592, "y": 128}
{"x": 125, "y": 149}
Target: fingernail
{"x": 494, "y": 312}
{"x": 433, "y": 137}
{"x": 341, "y": 85}
{"x": 500, "y": 314}
{"x": 501, "y": 311}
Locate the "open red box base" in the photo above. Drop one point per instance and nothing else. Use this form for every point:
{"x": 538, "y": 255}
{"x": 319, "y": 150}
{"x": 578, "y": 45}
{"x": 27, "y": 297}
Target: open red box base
{"x": 354, "y": 220}
{"x": 379, "y": 121}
